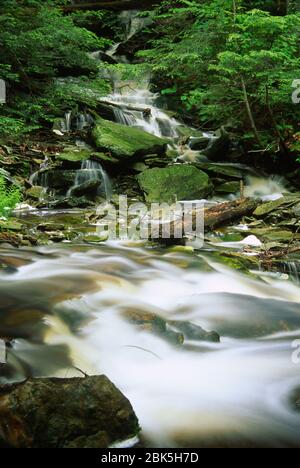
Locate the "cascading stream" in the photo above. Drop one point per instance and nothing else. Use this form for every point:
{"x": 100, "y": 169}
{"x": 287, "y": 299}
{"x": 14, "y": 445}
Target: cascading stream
{"x": 233, "y": 393}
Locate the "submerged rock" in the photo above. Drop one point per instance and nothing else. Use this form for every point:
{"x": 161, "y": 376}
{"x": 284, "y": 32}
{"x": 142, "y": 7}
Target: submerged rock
{"x": 195, "y": 332}
{"x": 126, "y": 142}
{"x": 175, "y": 332}
{"x": 181, "y": 182}
{"x": 65, "y": 413}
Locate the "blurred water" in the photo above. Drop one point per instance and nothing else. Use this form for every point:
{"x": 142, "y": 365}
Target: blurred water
{"x": 69, "y": 306}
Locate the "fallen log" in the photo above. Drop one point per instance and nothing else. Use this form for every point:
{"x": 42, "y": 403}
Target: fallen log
{"x": 64, "y": 413}
{"x": 122, "y": 105}
{"x": 229, "y": 211}
{"x": 215, "y": 216}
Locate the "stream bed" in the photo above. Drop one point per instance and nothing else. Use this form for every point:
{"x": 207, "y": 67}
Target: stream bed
{"x": 69, "y": 307}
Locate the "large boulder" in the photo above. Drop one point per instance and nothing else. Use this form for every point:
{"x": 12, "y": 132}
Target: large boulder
{"x": 65, "y": 413}
{"x": 126, "y": 143}
{"x": 181, "y": 182}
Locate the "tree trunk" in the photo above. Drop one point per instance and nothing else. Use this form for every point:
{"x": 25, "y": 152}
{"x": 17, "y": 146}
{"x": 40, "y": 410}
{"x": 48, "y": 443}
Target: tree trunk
{"x": 249, "y": 112}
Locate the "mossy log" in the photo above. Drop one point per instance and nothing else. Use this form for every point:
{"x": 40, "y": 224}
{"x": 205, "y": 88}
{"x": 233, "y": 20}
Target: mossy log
{"x": 229, "y": 211}
{"x": 223, "y": 213}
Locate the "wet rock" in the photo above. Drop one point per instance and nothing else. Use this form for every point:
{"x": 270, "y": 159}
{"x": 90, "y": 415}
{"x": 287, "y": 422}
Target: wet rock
{"x": 56, "y": 236}
{"x": 218, "y": 147}
{"x": 35, "y": 192}
{"x": 105, "y": 158}
{"x": 10, "y": 225}
{"x": 195, "y": 332}
{"x": 175, "y": 332}
{"x": 295, "y": 400}
{"x": 48, "y": 227}
{"x": 222, "y": 170}
{"x": 267, "y": 208}
{"x": 199, "y": 143}
{"x": 272, "y": 234}
{"x": 60, "y": 180}
{"x": 228, "y": 187}
{"x": 89, "y": 188}
{"x": 179, "y": 182}
{"x": 94, "y": 239}
{"x": 126, "y": 142}
{"x": 71, "y": 202}
{"x": 65, "y": 413}
{"x": 74, "y": 154}
{"x": 146, "y": 320}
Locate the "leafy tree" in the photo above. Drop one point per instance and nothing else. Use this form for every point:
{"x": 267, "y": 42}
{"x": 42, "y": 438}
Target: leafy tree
{"x": 37, "y": 44}
{"x": 230, "y": 64}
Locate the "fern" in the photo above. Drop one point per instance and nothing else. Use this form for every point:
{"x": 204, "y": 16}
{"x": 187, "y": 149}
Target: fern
{"x": 10, "y": 196}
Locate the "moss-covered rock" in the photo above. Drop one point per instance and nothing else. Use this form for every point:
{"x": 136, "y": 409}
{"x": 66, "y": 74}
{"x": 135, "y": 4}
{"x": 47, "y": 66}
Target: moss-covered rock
{"x": 181, "y": 182}
{"x": 126, "y": 142}
{"x": 105, "y": 158}
{"x": 74, "y": 154}
{"x": 35, "y": 192}
{"x": 228, "y": 187}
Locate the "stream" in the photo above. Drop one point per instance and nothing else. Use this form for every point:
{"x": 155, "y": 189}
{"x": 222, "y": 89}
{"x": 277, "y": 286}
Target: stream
{"x": 68, "y": 309}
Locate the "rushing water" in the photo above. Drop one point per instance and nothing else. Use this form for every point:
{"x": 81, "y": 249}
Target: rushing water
{"x": 68, "y": 306}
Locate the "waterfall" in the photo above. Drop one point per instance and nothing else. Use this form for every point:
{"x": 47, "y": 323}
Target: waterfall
{"x": 293, "y": 270}
{"x": 67, "y": 124}
{"x": 132, "y": 23}
{"x": 92, "y": 171}
{"x": 133, "y": 103}
{"x": 136, "y": 108}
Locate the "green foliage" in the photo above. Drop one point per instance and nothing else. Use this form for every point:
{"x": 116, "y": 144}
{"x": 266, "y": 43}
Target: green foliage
{"x": 9, "y": 197}
{"x": 137, "y": 73}
{"x": 203, "y": 51}
{"x": 37, "y": 44}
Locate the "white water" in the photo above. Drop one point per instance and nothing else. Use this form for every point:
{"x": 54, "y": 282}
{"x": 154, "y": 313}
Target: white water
{"x": 201, "y": 393}
{"x": 267, "y": 188}
{"x": 132, "y": 103}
